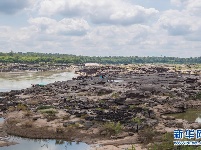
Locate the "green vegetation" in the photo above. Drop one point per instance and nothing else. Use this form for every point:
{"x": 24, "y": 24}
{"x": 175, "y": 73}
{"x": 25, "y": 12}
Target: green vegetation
{"x": 31, "y": 57}
{"x": 132, "y": 106}
{"x": 198, "y": 96}
{"x": 115, "y": 95}
{"x": 49, "y": 111}
{"x": 132, "y": 148}
{"x": 44, "y": 107}
{"x": 147, "y": 135}
{"x": 21, "y": 107}
{"x": 112, "y": 128}
{"x": 50, "y": 114}
{"x": 167, "y": 144}
{"x": 136, "y": 120}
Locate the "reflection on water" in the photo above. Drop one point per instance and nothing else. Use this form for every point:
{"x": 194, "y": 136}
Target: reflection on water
{"x": 1, "y": 120}
{"x": 118, "y": 80}
{"x": 192, "y": 115}
{"x": 198, "y": 120}
{"x": 20, "y": 80}
{"x": 30, "y": 144}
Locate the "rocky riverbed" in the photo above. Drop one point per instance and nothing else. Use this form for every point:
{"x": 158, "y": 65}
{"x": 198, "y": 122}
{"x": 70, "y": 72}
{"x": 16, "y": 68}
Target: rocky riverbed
{"x": 13, "y": 67}
{"x": 115, "y": 106}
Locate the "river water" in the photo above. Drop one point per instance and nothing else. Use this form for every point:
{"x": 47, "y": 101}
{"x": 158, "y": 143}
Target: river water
{"x": 192, "y": 115}
{"x": 21, "y": 80}
{"x": 30, "y": 144}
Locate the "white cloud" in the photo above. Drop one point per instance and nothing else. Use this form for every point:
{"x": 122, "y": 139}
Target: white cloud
{"x": 99, "y": 11}
{"x": 73, "y": 27}
{"x": 102, "y": 27}
{"x": 194, "y": 6}
{"x": 175, "y": 22}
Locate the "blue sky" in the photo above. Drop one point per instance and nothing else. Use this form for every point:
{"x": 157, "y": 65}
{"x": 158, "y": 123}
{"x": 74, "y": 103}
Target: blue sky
{"x": 102, "y": 27}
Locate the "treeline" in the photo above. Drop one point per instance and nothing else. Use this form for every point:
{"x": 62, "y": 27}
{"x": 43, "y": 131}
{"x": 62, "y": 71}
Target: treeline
{"x": 32, "y": 57}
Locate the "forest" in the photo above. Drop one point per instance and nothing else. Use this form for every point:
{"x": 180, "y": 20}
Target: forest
{"x": 33, "y": 57}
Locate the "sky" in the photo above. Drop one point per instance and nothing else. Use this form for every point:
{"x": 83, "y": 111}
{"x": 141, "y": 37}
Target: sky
{"x": 102, "y": 27}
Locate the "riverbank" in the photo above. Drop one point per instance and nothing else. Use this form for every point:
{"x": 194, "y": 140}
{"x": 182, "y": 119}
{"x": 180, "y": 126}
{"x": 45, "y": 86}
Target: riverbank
{"x": 109, "y": 105}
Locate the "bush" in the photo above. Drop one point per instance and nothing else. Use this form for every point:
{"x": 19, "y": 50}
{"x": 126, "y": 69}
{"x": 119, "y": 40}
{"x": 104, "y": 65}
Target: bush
{"x": 136, "y": 120}
{"x": 147, "y": 135}
{"x": 11, "y": 108}
{"x": 21, "y": 107}
{"x": 115, "y": 95}
{"x": 49, "y": 111}
{"x": 44, "y": 107}
{"x": 167, "y": 144}
{"x": 198, "y": 96}
{"x": 113, "y": 128}
{"x": 132, "y": 148}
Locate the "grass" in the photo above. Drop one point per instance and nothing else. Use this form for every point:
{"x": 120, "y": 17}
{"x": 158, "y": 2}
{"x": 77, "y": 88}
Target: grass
{"x": 167, "y": 144}
{"x": 50, "y": 114}
{"x": 21, "y": 107}
{"x": 113, "y": 128}
{"x": 11, "y": 108}
{"x": 132, "y": 148}
{"x": 101, "y": 109}
{"x": 198, "y": 96}
{"x": 147, "y": 135}
{"x": 115, "y": 95}
{"x": 44, "y": 107}
{"x": 136, "y": 120}
{"x": 132, "y": 106}
{"x": 49, "y": 111}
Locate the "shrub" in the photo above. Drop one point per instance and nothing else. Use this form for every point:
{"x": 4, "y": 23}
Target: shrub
{"x": 44, "y": 107}
{"x": 11, "y": 108}
{"x": 147, "y": 135}
{"x": 132, "y": 148}
{"x": 113, "y": 128}
{"x": 167, "y": 144}
{"x": 21, "y": 107}
{"x": 136, "y": 120}
{"x": 49, "y": 111}
{"x": 198, "y": 96}
{"x": 115, "y": 95}
{"x": 132, "y": 106}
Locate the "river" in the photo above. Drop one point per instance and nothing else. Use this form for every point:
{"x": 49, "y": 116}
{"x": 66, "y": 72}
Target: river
{"x": 191, "y": 115}
{"x": 21, "y": 80}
